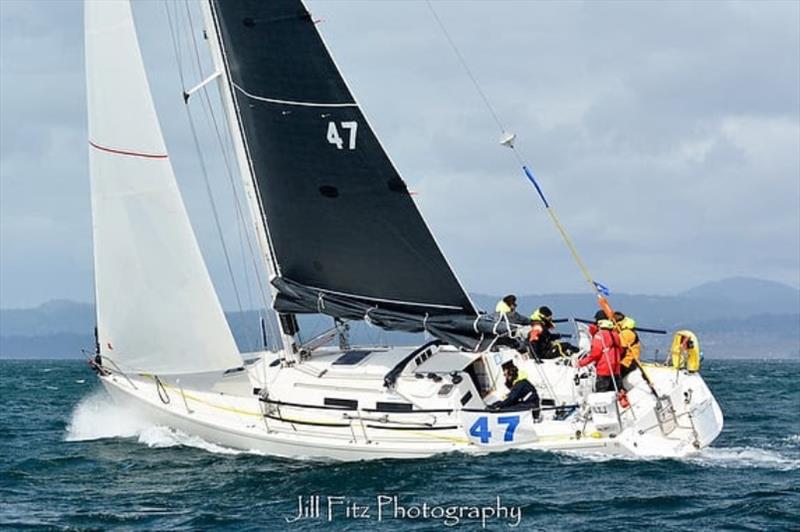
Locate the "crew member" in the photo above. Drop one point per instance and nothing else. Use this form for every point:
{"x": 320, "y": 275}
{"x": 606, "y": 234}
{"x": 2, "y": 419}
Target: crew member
{"x": 605, "y": 354}
{"x": 519, "y": 325}
{"x": 543, "y": 341}
{"x": 629, "y": 340}
{"x": 521, "y": 391}
{"x": 508, "y": 307}
{"x": 540, "y": 337}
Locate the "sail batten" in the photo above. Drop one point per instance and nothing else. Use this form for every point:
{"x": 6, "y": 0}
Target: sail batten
{"x": 289, "y": 102}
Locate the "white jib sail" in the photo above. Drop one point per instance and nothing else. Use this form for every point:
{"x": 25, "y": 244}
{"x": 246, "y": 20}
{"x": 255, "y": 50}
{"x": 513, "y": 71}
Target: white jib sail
{"x": 157, "y": 311}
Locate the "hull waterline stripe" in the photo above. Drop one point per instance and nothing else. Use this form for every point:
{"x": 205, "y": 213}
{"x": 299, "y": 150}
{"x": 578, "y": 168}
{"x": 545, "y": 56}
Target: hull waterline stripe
{"x": 127, "y": 152}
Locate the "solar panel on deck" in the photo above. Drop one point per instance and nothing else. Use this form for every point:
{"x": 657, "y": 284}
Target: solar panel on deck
{"x": 351, "y": 358}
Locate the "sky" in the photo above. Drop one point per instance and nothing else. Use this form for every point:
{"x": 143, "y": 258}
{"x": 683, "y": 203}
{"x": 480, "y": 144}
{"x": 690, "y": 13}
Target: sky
{"x": 666, "y": 136}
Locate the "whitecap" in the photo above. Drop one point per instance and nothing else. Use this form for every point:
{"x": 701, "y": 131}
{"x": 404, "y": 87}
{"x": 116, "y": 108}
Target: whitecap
{"x": 744, "y": 458}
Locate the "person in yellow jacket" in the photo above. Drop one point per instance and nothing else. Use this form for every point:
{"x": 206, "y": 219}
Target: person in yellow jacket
{"x": 630, "y": 343}
{"x": 519, "y": 325}
{"x": 508, "y": 307}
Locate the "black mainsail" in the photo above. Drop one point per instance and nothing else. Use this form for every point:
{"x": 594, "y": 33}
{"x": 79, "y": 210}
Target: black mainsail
{"x": 346, "y": 237}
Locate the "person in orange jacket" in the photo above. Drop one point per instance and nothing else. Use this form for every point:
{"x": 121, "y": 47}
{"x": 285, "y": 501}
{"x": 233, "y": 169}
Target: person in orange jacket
{"x": 540, "y": 337}
{"x": 605, "y": 354}
{"x": 631, "y": 348}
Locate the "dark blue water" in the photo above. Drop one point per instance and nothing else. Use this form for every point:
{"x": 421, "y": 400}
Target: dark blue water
{"x": 69, "y": 460}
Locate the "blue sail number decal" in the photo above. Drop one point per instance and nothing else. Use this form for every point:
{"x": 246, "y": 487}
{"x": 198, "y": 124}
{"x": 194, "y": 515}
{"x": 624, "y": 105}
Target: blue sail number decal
{"x": 480, "y": 428}
{"x": 511, "y": 423}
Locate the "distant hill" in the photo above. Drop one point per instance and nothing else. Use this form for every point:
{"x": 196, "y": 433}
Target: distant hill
{"x": 734, "y": 299}
{"x": 749, "y": 295}
{"x": 57, "y": 316}
{"x": 737, "y": 317}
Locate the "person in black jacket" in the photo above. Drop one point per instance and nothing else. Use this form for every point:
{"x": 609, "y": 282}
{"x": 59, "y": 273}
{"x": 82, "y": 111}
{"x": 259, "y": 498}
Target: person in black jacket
{"x": 521, "y": 391}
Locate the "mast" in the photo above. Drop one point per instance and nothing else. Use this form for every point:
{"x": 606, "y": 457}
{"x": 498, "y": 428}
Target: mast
{"x": 286, "y": 322}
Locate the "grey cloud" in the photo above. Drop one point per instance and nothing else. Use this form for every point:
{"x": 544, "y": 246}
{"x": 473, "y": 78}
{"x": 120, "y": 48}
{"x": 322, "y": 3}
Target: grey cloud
{"x": 665, "y": 134}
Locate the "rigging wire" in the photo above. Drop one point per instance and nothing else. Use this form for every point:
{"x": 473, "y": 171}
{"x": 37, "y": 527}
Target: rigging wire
{"x": 509, "y": 142}
{"x": 226, "y": 148}
{"x": 466, "y": 67}
{"x": 175, "y": 31}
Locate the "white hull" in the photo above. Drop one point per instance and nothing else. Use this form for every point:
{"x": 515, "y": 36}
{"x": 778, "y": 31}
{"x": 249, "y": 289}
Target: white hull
{"x": 295, "y": 423}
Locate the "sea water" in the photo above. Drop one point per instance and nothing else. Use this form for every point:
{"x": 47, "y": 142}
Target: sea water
{"x": 71, "y": 459}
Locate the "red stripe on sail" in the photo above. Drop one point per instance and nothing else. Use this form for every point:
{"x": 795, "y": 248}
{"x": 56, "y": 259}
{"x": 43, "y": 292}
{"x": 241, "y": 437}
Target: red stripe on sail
{"x": 128, "y": 153}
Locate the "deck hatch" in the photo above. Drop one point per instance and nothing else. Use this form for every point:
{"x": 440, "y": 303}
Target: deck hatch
{"x": 351, "y": 358}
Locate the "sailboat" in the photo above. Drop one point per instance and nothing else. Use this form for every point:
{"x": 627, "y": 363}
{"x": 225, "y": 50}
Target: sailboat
{"x": 340, "y": 236}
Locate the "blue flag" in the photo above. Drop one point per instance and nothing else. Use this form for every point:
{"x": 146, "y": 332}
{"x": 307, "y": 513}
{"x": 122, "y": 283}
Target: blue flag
{"x": 602, "y": 289}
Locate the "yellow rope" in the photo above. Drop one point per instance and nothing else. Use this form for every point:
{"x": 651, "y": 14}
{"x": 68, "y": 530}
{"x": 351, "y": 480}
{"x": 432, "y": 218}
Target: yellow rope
{"x": 203, "y": 401}
{"x": 571, "y": 246}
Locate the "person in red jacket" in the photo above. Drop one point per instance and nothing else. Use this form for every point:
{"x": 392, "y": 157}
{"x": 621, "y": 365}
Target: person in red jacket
{"x": 605, "y": 353}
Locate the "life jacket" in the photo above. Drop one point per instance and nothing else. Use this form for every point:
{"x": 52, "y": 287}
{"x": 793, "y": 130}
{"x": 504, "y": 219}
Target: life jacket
{"x": 540, "y": 337}
{"x": 502, "y": 307}
{"x": 631, "y": 347}
{"x": 521, "y": 376}
{"x": 538, "y": 331}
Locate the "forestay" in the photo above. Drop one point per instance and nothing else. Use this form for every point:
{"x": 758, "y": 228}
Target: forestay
{"x": 157, "y": 309}
{"x": 346, "y": 236}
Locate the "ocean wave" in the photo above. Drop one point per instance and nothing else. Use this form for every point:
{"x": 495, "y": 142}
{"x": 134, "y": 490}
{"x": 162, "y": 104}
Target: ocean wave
{"x": 158, "y": 436}
{"x": 743, "y": 458}
{"x": 722, "y": 457}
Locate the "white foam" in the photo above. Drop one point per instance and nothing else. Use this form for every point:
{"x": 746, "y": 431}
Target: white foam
{"x": 97, "y": 416}
{"x": 794, "y": 438}
{"x": 161, "y": 437}
{"x": 724, "y": 457}
{"x": 744, "y": 458}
